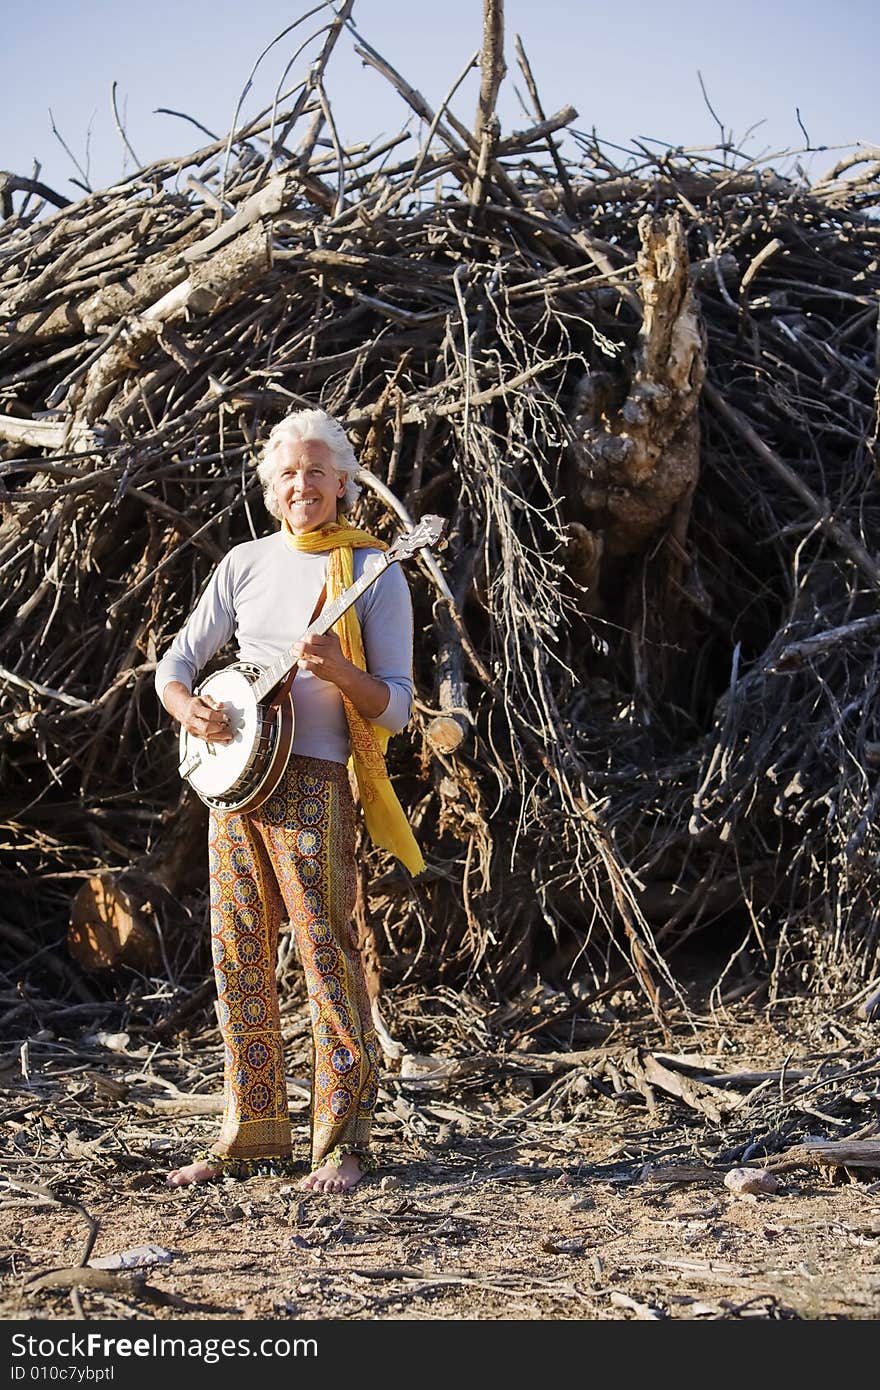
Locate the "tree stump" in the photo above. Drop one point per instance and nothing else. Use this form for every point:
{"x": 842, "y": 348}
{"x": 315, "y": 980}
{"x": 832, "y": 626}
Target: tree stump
{"x": 111, "y": 922}
{"x": 120, "y": 917}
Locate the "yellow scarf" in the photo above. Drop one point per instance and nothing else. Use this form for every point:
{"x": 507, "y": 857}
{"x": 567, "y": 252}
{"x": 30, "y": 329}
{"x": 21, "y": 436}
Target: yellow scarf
{"x": 388, "y": 827}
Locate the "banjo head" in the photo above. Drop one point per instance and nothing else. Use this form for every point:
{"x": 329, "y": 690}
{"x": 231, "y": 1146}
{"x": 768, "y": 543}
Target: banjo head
{"x": 220, "y": 765}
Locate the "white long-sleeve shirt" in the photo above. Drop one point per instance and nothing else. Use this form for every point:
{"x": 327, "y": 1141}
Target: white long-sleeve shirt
{"x": 263, "y": 594}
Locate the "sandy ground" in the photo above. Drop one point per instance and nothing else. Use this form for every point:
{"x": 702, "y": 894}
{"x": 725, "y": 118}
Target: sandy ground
{"x": 597, "y": 1203}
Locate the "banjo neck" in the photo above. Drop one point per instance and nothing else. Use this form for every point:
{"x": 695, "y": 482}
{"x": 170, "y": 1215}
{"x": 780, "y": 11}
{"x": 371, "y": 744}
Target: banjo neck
{"x": 330, "y": 614}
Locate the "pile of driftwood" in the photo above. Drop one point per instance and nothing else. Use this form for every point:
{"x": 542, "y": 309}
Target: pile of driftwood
{"x": 644, "y": 394}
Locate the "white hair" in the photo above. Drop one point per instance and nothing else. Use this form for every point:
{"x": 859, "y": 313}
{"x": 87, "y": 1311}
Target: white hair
{"x": 300, "y": 425}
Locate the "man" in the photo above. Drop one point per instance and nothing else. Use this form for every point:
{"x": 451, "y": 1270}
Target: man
{"x": 295, "y": 853}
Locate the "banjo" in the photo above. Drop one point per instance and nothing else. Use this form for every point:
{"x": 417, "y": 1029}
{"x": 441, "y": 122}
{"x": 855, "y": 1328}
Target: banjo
{"x": 240, "y": 775}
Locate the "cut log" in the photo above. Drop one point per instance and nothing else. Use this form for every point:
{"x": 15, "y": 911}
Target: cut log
{"x": 451, "y": 725}
{"x": 109, "y": 922}
{"x": 446, "y": 732}
{"x": 117, "y": 916}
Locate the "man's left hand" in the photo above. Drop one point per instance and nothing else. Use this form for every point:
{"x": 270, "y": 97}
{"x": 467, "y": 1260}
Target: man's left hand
{"x": 322, "y": 655}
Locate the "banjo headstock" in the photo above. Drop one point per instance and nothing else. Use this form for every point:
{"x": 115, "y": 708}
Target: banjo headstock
{"x": 426, "y": 532}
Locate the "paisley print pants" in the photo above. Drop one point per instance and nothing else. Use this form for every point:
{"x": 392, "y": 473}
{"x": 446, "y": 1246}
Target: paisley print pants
{"x": 293, "y": 856}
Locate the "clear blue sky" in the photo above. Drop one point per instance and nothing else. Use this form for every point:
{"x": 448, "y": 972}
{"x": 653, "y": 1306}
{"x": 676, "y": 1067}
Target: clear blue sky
{"x": 630, "y": 70}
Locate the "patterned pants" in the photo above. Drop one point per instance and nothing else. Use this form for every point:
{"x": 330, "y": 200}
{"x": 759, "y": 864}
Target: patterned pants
{"x": 293, "y": 855}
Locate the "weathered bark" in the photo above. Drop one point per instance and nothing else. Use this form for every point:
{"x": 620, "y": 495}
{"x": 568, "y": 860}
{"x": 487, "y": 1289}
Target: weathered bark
{"x": 13, "y": 183}
{"x": 129, "y": 296}
{"x": 638, "y": 457}
{"x": 487, "y": 127}
{"x": 210, "y": 286}
{"x": 838, "y": 1157}
{"x": 47, "y": 434}
{"x": 366, "y": 936}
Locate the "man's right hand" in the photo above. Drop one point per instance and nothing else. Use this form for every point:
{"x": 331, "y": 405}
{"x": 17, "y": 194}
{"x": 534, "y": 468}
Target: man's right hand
{"x": 206, "y": 718}
{"x": 201, "y": 716}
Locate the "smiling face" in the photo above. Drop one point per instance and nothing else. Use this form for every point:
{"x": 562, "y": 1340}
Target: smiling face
{"x": 307, "y": 487}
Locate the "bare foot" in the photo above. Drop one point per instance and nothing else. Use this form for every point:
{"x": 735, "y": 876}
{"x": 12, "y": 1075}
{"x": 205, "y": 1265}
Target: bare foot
{"x": 203, "y": 1170}
{"x": 330, "y": 1178}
